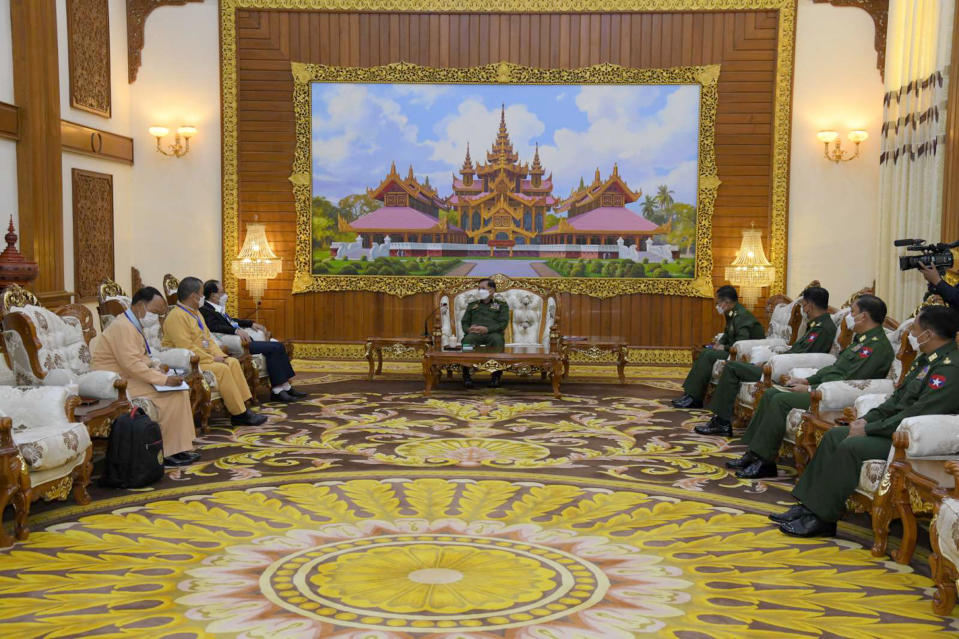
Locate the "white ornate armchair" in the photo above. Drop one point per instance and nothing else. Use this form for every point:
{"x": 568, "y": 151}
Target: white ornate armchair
{"x": 44, "y": 348}
{"x": 44, "y": 451}
{"x": 532, "y": 315}
{"x": 944, "y": 539}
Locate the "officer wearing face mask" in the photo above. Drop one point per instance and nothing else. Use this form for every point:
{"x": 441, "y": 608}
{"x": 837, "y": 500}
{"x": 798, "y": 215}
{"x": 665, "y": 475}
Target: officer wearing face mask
{"x": 930, "y": 387}
{"x": 483, "y": 323}
{"x": 868, "y": 356}
{"x": 740, "y": 324}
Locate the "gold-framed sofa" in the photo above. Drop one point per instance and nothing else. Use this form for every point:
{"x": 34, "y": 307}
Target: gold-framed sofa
{"x": 44, "y": 452}
{"x": 44, "y": 348}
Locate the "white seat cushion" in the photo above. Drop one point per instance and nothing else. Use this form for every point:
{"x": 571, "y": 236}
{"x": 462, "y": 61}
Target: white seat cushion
{"x": 718, "y": 367}
{"x": 531, "y": 315}
{"x": 779, "y": 321}
{"x": 48, "y": 447}
{"x": 793, "y": 422}
{"x": 947, "y": 530}
{"x": 61, "y": 339}
{"x": 870, "y": 474}
{"x": 747, "y": 393}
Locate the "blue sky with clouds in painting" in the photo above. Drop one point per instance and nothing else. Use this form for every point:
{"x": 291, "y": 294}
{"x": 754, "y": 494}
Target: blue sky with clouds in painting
{"x": 651, "y": 131}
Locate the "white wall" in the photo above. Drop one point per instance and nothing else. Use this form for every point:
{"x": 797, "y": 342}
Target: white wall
{"x": 176, "y": 201}
{"x": 834, "y": 215}
{"x": 8, "y": 148}
{"x": 118, "y": 123}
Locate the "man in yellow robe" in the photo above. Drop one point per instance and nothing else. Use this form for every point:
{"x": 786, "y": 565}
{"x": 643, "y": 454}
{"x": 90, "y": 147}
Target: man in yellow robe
{"x": 184, "y": 328}
{"x": 122, "y": 348}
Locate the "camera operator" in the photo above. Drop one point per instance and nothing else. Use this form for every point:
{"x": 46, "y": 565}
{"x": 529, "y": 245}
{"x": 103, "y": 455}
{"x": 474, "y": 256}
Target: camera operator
{"x": 937, "y": 285}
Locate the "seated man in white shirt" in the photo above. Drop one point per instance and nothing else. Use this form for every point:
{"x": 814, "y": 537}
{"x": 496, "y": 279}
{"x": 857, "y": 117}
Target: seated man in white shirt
{"x": 256, "y": 335}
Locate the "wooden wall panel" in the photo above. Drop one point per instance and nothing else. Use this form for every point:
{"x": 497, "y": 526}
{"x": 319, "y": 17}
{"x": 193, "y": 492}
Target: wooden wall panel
{"x": 92, "y": 232}
{"x": 88, "y": 46}
{"x": 744, "y": 43}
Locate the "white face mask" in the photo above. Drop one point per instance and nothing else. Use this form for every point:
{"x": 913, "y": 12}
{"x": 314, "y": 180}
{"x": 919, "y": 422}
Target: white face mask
{"x": 850, "y": 322}
{"x": 719, "y": 309}
{"x": 202, "y": 301}
{"x": 915, "y": 343}
{"x": 223, "y": 299}
{"x": 484, "y": 293}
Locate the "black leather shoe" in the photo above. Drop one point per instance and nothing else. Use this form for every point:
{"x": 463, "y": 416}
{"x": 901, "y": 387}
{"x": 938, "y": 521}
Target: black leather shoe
{"x": 795, "y": 512}
{"x": 716, "y": 426}
{"x": 494, "y": 379}
{"x": 743, "y": 461}
{"x": 759, "y": 469}
{"x": 297, "y": 394}
{"x": 282, "y": 396}
{"x": 178, "y": 460}
{"x": 248, "y": 419}
{"x": 687, "y": 401}
{"x": 809, "y": 525}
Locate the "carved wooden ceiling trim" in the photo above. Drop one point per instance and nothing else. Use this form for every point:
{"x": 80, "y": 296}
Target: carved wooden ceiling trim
{"x": 137, "y": 12}
{"x": 878, "y": 10}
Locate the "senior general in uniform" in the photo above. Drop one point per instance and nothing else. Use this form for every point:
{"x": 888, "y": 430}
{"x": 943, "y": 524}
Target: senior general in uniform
{"x": 484, "y": 322}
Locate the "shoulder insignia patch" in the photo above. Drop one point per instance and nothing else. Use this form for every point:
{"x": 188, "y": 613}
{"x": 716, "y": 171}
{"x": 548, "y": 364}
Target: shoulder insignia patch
{"x": 934, "y": 357}
{"x": 865, "y": 352}
{"x": 937, "y": 381}
{"x": 494, "y": 306}
{"x": 812, "y": 337}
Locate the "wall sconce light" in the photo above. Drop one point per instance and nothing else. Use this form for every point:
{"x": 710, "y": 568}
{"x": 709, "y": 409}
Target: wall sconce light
{"x": 837, "y": 155}
{"x": 177, "y": 149}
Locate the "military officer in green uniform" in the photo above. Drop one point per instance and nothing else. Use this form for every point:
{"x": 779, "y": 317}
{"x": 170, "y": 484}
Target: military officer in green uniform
{"x": 483, "y": 324}
{"x": 931, "y": 387}
{"x": 868, "y": 356}
{"x": 818, "y": 338}
{"x": 740, "y": 324}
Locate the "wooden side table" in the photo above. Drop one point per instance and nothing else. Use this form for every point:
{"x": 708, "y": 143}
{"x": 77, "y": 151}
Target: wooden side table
{"x": 399, "y": 346}
{"x": 598, "y": 349}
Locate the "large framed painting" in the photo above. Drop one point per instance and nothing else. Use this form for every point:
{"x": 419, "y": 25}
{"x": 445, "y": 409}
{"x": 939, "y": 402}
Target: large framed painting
{"x": 598, "y": 180}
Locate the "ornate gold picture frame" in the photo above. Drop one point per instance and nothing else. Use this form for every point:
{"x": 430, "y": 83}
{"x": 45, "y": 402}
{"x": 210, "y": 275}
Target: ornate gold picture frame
{"x": 706, "y": 77}
{"x": 701, "y": 285}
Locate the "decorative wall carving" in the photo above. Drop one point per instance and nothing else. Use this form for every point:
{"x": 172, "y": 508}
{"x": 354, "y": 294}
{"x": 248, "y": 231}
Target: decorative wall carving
{"x": 92, "y": 231}
{"x": 88, "y": 43}
{"x": 137, "y": 12}
{"x": 878, "y": 10}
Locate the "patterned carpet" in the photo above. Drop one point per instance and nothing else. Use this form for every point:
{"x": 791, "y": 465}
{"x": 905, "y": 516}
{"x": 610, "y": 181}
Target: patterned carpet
{"x": 372, "y": 512}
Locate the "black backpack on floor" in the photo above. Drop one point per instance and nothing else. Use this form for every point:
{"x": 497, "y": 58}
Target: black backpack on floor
{"x": 134, "y": 452}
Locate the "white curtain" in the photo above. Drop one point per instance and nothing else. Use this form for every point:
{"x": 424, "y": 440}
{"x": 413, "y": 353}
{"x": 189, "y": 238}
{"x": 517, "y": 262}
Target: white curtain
{"x": 918, "y": 46}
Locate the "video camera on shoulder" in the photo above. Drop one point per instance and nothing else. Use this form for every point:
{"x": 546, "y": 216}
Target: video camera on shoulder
{"x": 938, "y": 255}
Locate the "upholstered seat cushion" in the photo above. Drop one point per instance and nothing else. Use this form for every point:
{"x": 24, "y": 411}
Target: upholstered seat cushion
{"x": 947, "y": 530}
{"x": 870, "y": 475}
{"x": 747, "y": 393}
{"x": 40, "y": 428}
{"x": 865, "y": 403}
{"x": 718, "y": 367}
{"x": 781, "y": 364}
{"x": 842, "y": 393}
{"x": 745, "y": 347}
{"x": 793, "y": 422}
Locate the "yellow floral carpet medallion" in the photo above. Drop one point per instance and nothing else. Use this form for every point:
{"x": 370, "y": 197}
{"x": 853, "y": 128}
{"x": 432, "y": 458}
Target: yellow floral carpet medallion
{"x": 366, "y": 514}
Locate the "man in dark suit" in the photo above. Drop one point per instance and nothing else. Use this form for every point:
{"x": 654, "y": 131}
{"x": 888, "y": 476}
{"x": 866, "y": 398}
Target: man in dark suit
{"x": 277, "y": 362}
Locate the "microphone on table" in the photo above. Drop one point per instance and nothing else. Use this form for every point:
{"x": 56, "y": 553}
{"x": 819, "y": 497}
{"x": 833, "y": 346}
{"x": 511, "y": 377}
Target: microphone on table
{"x": 426, "y": 322}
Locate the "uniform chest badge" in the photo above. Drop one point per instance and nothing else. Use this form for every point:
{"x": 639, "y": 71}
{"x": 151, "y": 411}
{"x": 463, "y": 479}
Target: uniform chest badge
{"x": 865, "y": 352}
{"x": 812, "y": 337}
{"x": 494, "y": 306}
{"x": 936, "y": 382}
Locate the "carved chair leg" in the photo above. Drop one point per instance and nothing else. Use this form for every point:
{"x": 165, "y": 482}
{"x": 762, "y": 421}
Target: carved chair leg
{"x": 8, "y": 496}
{"x": 81, "y": 479}
{"x": 943, "y": 576}
{"x": 21, "y": 510}
{"x": 882, "y": 516}
{"x": 909, "y": 530}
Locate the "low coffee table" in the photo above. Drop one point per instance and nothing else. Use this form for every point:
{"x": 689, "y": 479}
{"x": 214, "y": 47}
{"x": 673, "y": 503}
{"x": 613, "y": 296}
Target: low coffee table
{"x": 598, "y": 349}
{"x": 523, "y": 360}
{"x": 399, "y": 346}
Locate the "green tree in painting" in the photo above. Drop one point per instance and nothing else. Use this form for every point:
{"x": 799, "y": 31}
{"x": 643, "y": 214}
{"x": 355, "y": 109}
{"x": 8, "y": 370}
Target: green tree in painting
{"x": 651, "y": 210}
{"x": 324, "y": 222}
{"x": 354, "y": 206}
{"x": 683, "y": 229}
{"x": 664, "y": 197}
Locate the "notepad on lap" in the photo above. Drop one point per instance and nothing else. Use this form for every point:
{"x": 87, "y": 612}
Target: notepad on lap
{"x": 167, "y": 389}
